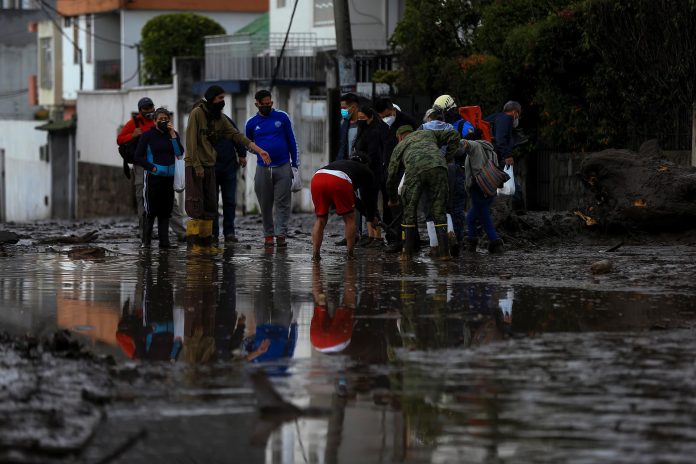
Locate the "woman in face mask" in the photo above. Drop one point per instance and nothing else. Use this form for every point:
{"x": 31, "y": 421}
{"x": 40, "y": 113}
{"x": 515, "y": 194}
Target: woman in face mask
{"x": 370, "y": 145}
{"x": 156, "y": 152}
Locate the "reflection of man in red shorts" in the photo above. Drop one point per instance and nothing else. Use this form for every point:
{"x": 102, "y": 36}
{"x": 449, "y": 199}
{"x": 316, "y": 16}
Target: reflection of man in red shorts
{"x": 331, "y": 329}
{"x": 335, "y": 185}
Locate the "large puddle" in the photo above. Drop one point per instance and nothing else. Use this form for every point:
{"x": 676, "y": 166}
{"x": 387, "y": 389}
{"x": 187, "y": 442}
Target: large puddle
{"x": 397, "y": 362}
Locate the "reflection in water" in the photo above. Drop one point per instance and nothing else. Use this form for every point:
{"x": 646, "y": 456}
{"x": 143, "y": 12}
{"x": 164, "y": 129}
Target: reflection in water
{"x": 273, "y": 330}
{"x": 414, "y": 362}
{"x": 151, "y": 330}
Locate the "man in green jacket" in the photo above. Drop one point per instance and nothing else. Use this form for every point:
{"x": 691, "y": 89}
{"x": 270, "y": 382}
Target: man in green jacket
{"x": 425, "y": 170}
{"x": 205, "y": 126}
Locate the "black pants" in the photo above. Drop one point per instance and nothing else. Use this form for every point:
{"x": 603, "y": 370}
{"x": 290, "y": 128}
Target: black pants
{"x": 158, "y": 196}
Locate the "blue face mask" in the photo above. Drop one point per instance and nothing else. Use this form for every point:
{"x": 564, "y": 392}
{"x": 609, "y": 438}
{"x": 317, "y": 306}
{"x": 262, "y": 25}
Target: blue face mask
{"x": 345, "y": 114}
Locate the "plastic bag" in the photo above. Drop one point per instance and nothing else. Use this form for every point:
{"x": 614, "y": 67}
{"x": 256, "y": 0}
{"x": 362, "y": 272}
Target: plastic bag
{"x": 296, "y": 185}
{"x": 508, "y": 187}
{"x": 179, "y": 175}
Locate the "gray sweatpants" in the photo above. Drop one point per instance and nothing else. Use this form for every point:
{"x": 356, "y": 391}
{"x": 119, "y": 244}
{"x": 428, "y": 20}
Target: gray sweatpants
{"x": 272, "y": 187}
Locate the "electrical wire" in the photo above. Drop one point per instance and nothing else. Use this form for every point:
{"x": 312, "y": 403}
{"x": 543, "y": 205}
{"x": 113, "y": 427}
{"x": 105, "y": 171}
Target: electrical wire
{"x": 13, "y": 93}
{"x": 285, "y": 42}
{"x": 96, "y": 36}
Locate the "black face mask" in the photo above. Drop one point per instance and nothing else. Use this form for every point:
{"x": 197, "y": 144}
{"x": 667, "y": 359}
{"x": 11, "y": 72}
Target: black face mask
{"x": 150, "y": 115}
{"x": 362, "y": 124}
{"x": 162, "y": 125}
{"x": 265, "y": 110}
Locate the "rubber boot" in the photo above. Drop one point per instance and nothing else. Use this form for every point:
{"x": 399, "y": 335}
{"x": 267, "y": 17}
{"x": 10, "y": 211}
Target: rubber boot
{"x": 408, "y": 238}
{"x": 443, "y": 251}
{"x": 205, "y": 236}
{"x": 148, "y": 224}
{"x": 471, "y": 245}
{"x": 163, "y": 233}
{"x": 495, "y": 247}
{"x": 454, "y": 244}
{"x": 192, "y": 231}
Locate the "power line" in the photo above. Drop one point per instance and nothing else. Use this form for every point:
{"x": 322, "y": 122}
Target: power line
{"x": 96, "y": 36}
{"x": 285, "y": 42}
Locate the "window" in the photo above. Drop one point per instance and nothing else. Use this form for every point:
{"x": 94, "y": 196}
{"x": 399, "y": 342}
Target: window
{"x": 67, "y": 21}
{"x": 88, "y": 38}
{"x": 46, "y": 63}
{"x": 323, "y": 13}
{"x": 76, "y": 41}
{"x": 280, "y": 4}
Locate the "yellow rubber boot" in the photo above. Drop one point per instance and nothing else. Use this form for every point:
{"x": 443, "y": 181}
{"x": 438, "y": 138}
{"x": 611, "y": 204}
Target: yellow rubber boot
{"x": 192, "y": 233}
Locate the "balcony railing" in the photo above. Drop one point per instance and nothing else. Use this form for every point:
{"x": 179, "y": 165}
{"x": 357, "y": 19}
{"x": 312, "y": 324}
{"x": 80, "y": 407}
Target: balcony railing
{"x": 244, "y": 57}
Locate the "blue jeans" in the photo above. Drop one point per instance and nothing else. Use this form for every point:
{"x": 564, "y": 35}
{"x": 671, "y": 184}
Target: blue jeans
{"x": 480, "y": 211}
{"x": 227, "y": 184}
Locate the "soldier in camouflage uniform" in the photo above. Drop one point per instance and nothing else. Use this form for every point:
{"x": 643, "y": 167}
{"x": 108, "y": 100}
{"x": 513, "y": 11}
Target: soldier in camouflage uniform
{"x": 425, "y": 169}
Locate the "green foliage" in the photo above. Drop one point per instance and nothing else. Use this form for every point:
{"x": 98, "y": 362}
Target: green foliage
{"x": 430, "y": 38}
{"x": 170, "y": 35}
{"x": 589, "y": 73}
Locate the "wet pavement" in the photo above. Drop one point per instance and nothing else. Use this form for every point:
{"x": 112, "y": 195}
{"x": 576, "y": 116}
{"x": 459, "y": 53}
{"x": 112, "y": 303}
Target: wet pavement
{"x": 523, "y": 357}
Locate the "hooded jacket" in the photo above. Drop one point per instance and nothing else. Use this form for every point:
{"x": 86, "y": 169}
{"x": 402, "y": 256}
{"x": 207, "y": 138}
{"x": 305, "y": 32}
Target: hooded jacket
{"x": 200, "y": 152}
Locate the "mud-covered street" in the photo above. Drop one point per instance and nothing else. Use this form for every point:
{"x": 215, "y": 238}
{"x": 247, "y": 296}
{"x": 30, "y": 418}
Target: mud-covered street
{"x": 115, "y": 354}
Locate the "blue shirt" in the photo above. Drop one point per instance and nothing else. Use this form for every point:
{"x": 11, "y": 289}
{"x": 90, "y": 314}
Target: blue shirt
{"x": 274, "y": 134}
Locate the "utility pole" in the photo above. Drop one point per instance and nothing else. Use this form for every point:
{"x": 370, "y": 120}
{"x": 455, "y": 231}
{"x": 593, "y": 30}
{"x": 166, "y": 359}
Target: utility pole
{"x": 344, "y": 47}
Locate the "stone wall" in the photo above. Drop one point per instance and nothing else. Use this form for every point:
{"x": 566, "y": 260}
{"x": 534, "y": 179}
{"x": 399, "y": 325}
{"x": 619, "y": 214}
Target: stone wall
{"x": 103, "y": 191}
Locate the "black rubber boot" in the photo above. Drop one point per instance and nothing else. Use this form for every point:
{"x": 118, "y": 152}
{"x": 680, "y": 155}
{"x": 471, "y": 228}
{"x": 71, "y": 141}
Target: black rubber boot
{"x": 148, "y": 224}
{"x": 443, "y": 251}
{"x": 163, "y": 233}
{"x": 410, "y": 236}
{"x": 495, "y": 247}
{"x": 471, "y": 244}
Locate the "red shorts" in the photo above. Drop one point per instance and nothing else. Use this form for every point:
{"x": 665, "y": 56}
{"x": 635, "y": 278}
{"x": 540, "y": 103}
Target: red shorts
{"x": 327, "y": 190}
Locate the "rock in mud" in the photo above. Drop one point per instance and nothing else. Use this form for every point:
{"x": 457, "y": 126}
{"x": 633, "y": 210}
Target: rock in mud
{"x": 602, "y": 267}
{"x": 643, "y": 190}
{"x": 8, "y": 237}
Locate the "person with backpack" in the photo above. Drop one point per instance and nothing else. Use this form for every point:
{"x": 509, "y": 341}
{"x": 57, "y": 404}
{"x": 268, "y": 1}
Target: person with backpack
{"x": 205, "y": 127}
{"x": 478, "y": 155}
{"x": 447, "y": 105}
{"x": 127, "y": 141}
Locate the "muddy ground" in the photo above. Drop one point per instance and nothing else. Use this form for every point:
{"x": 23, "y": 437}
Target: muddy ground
{"x": 524, "y": 357}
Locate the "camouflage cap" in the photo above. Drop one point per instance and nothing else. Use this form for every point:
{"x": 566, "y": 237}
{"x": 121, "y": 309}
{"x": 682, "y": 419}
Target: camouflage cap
{"x": 403, "y": 129}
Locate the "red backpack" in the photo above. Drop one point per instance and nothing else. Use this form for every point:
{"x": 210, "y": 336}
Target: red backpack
{"x": 474, "y": 115}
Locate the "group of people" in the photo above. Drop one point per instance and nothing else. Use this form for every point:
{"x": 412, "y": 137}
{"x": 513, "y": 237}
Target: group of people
{"x": 214, "y": 150}
{"x": 434, "y": 167}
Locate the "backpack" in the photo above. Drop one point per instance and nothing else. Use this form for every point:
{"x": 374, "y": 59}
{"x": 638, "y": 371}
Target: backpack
{"x": 127, "y": 150}
{"x": 474, "y": 115}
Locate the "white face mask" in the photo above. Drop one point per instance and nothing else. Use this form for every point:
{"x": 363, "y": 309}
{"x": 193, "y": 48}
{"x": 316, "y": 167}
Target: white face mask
{"x": 515, "y": 122}
{"x": 389, "y": 120}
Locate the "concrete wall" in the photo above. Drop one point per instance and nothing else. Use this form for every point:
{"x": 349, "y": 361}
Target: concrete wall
{"x": 17, "y": 61}
{"x": 16, "y": 64}
{"x": 372, "y": 21}
{"x": 103, "y": 191}
{"x": 27, "y": 176}
{"x": 101, "y": 114}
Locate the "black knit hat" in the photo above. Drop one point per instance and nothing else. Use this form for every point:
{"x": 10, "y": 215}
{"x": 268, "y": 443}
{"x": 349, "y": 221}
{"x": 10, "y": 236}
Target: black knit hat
{"x": 212, "y": 92}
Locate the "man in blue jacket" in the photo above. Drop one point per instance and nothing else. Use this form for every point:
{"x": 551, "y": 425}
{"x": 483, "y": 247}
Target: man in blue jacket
{"x": 272, "y": 182}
